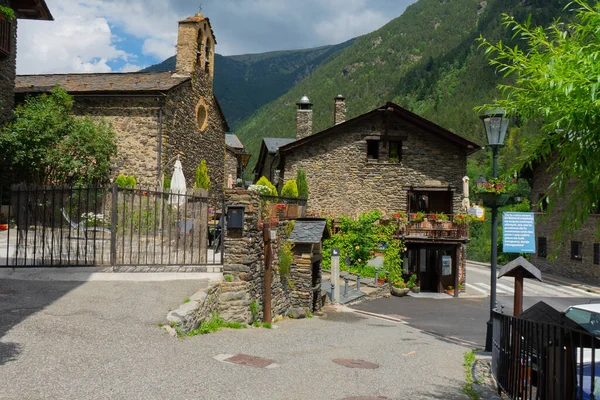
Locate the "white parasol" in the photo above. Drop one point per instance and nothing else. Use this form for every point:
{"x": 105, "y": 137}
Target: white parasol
{"x": 178, "y": 186}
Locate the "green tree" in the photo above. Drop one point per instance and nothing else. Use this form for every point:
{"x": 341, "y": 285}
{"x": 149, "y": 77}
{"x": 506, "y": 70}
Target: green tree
{"x": 555, "y": 79}
{"x": 50, "y": 146}
{"x": 290, "y": 189}
{"x": 302, "y": 184}
{"x": 202, "y": 178}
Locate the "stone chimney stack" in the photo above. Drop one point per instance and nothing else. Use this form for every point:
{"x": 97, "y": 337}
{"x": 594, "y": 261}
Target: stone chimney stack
{"x": 303, "y": 118}
{"x": 339, "y": 110}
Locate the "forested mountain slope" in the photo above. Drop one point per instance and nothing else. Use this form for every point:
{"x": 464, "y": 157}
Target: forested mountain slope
{"x": 426, "y": 60}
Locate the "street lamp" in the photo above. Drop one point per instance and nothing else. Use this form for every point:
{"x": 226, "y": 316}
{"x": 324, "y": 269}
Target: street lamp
{"x": 244, "y": 158}
{"x": 495, "y": 125}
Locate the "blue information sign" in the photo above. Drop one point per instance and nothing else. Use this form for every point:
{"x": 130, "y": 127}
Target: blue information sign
{"x": 518, "y": 232}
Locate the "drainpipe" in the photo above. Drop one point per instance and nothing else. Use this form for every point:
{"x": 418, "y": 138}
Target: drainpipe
{"x": 159, "y": 156}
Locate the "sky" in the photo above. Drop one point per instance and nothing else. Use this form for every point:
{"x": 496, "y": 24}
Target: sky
{"x": 127, "y": 35}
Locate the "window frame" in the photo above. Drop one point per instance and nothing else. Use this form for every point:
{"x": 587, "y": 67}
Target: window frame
{"x": 6, "y": 37}
{"x": 576, "y": 250}
{"x": 371, "y": 143}
{"x": 397, "y": 143}
{"x": 542, "y": 247}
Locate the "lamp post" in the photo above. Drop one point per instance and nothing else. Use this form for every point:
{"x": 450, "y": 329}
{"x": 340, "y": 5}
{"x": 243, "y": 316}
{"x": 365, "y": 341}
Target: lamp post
{"x": 244, "y": 158}
{"x": 495, "y": 125}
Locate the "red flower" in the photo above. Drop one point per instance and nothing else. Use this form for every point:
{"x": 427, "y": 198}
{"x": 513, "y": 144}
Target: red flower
{"x": 396, "y": 216}
{"x": 281, "y": 206}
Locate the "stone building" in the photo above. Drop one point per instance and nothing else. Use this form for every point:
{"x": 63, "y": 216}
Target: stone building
{"x": 388, "y": 159}
{"x": 156, "y": 115}
{"x": 24, "y": 9}
{"x": 578, "y": 254}
{"x": 233, "y": 149}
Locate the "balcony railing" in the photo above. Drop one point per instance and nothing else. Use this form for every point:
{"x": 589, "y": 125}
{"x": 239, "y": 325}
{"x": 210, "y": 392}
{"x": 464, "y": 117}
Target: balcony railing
{"x": 5, "y": 37}
{"x": 435, "y": 229}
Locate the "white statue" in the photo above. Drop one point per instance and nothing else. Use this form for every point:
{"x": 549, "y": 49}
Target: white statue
{"x": 229, "y": 181}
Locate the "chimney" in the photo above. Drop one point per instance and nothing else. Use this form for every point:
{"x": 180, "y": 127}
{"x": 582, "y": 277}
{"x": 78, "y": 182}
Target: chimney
{"x": 339, "y": 110}
{"x": 303, "y": 118}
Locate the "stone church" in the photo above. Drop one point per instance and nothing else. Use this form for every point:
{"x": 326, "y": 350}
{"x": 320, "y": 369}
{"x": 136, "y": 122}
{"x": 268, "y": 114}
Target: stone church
{"x": 156, "y": 115}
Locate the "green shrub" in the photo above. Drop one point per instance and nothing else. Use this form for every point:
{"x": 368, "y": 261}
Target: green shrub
{"x": 8, "y": 12}
{"x": 302, "y": 184}
{"x": 263, "y": 181}
{"x": 166, "y": 183}
{"x": 228, "y": 278}
{"x": 126, "y": 181}
{"x": 254, "y": 310}
{"x": 290, "y": 189}
{"x": 285, "y": 258}
{"x": 392, "y": 261}
{"x": 202, "y": 178}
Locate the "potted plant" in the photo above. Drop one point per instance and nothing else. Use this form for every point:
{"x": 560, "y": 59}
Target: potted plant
{"x": 412, "y": 284}
{"x": 399, "y": 288}
{"x": 449, "y": 290}
{"x": 496, "y": 192}
{"x": 442, "y": 220}
{"x": 3, "y": 223}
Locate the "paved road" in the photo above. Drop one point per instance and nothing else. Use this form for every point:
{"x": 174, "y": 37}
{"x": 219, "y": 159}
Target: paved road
{"x": 465, "y": 318}
{"x": 478, "y": 282}
{"x": 99, "y": 340}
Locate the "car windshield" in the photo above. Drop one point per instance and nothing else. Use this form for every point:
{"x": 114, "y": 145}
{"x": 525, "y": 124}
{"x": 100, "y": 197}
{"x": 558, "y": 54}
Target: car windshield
{"x": 588, "y": 320}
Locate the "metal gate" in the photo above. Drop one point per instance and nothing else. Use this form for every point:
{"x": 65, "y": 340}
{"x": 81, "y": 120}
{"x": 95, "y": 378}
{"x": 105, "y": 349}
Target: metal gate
{"x": 91, "y": 226}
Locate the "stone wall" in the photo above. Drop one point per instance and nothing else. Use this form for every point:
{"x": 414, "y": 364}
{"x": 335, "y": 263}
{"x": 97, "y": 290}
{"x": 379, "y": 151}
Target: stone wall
{"x": 136, "y": 123}
{"x": 244, "y": 254}
{"x": 8, "y": 66}
{"x": 302, "y": 294}
{"x": 339, "y": 110}
{"x": 231, "y": 164}
{"x": 182, "y": 132}
{"x": 341, "y": 180}
{"x": 549, "y": 223}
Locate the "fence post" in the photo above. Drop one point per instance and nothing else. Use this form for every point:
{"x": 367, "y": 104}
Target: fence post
{"x": 113, "y": 227}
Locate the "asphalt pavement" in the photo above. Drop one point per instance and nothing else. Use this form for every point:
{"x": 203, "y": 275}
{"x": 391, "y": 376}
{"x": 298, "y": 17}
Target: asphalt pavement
{"x": 464, "y": 319}
{"x": 100, "y": 340}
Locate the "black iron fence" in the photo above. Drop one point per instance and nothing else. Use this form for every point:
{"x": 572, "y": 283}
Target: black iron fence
{"x": 60, "y": 226}
{"x": 534, "y": 360}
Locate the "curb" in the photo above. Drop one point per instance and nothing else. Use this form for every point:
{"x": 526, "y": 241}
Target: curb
{"x": 549, "y": 279}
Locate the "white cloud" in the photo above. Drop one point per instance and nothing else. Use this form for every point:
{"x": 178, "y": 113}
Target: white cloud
{"x": 160, "y": 48}
{"x": 84, "y": 35}
{"x": 131, "y": 68}
{"x": 77, "y": 41}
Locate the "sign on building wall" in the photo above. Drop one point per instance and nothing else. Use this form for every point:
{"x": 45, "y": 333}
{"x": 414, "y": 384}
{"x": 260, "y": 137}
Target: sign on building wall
{"x": 478, "y": 212}
{"x": 518, "y": 232}
{"x": 446, "y": 265}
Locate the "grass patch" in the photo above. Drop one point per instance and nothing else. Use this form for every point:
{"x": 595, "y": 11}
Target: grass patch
{"x": 266, "y": 325}
{"x": 234, "y": 325}
{"x": 213, "y": 324}
{"x": 228, "y": 278}
{"x": 256, "y": 324}
{"x": 160, "y": 324}
{"x": 309, "y": 314}
{"x": 186, "y": 301}
{"x": 468, "y": 388}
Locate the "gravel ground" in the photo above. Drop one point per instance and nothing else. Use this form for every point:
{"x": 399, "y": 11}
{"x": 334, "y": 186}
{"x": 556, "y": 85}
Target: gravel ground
{"x": 100, "y": 340}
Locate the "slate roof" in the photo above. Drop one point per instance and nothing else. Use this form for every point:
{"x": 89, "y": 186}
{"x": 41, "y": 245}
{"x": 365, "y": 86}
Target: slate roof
{"x": 273, "y": 144}
{"x": 308, "y": 231}
{"x": 100, "y": 82}
{"x": 400, "y": 112}
{"x": 233, "y": 141}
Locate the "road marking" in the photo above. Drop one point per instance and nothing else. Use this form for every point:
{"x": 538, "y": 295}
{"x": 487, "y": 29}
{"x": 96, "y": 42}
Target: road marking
{"x": 471, "y": 286}
{"x": 505, "y": 288}
{"x": 489, "y": 288}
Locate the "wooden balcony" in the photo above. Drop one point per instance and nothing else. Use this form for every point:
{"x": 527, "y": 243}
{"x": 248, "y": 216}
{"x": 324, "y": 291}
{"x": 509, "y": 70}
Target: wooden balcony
{"x": 435, "y": 230}
{"x": 5, "y": 37}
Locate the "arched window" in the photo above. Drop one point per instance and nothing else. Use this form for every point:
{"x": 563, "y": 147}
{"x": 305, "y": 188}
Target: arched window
{"x": 201, "y": 115}
{"x": 199, "y": 45}
{"x": 207, "y": 56}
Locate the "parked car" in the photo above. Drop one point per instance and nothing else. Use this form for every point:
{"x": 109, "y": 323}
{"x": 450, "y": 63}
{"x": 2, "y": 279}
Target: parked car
{"x": 588, "y": 317}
